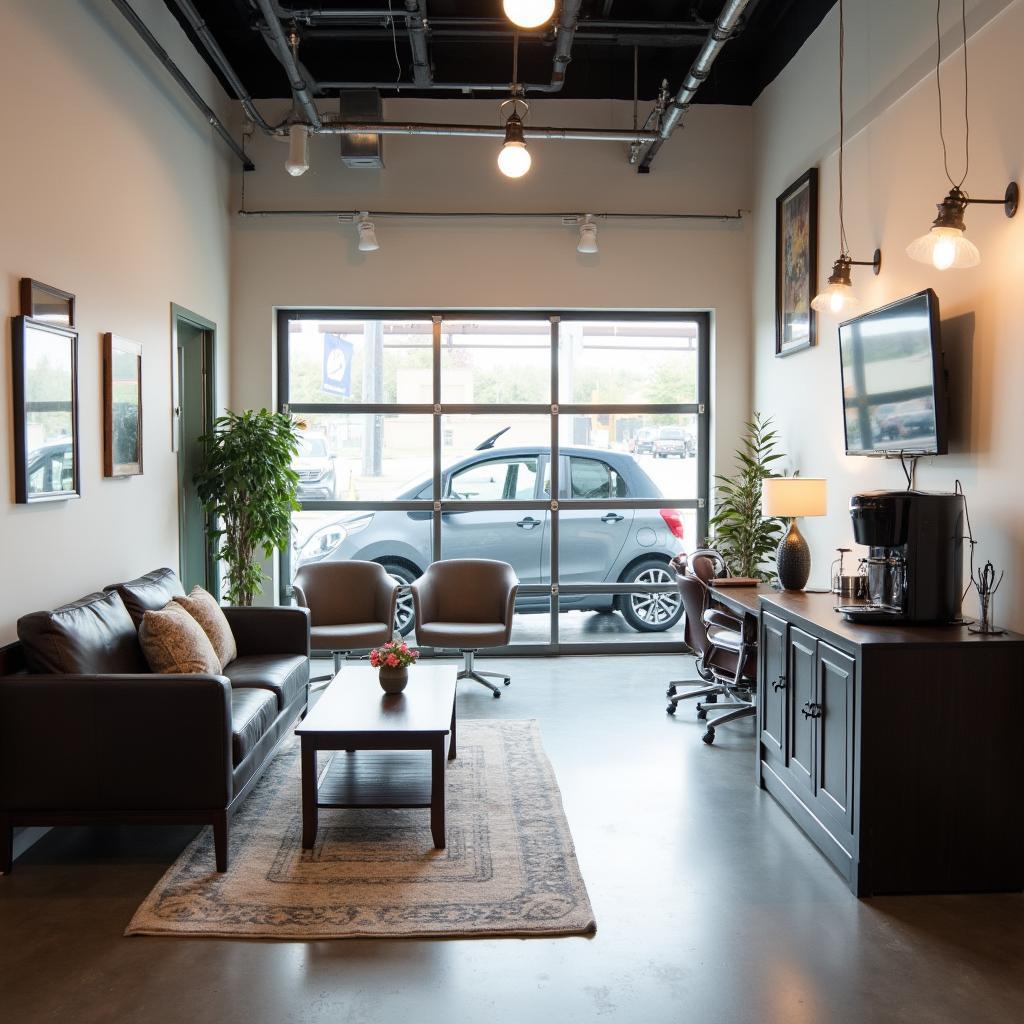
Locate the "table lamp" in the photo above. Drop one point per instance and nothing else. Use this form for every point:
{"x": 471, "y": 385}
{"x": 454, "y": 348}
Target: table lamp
{"x": 787, "y": 497}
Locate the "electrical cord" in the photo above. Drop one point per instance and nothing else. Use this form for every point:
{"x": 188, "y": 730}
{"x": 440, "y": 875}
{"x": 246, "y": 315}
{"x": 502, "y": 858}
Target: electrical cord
{"x": 843, "y": 244}
{"x": 394, "y": 41}
{"x": 938, "y": 85}
{"x": 959, "y": 489}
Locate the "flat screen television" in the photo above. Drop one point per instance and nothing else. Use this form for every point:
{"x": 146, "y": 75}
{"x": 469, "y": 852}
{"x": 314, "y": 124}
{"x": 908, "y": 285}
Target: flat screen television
{"x": 894, "y": 382}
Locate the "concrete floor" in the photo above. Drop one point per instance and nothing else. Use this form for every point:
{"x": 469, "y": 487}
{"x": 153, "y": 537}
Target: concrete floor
{"x": 711, "y": 906}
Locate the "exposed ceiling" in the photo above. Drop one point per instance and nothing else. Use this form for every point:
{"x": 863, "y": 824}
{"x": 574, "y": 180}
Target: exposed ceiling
{"x": 470, "y": 41}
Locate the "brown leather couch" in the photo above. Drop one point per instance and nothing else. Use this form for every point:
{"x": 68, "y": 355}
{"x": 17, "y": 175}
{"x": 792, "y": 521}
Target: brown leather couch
{"x": 88, "y": 734}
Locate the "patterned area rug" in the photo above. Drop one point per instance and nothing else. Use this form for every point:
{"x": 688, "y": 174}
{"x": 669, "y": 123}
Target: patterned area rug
{"x": 509, "y": 869}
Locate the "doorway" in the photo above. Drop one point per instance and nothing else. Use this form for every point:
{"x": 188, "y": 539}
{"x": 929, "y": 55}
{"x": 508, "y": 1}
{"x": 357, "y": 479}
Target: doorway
{"x": 194, "y": 340}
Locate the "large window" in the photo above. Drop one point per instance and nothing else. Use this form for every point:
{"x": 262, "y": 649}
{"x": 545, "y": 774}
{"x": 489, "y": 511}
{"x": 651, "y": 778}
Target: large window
{"x": 572, "y": 446}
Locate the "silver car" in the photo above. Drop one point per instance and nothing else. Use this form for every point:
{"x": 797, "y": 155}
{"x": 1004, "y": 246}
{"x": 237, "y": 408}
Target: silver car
{"x": 596, "y": 546}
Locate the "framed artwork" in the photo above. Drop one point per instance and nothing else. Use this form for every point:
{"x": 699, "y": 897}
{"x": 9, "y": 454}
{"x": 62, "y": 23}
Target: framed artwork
{"x": 122, "y": 406}
{"x": 44, "y": 375}
{"x": 44, "y": 302}
{"x": 796, "y": 264}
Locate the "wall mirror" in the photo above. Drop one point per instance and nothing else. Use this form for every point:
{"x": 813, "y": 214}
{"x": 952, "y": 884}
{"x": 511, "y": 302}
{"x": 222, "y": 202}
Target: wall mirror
{"x": 45, "y": 302}
{"x": 45, "y": 383}
{"x": 122, "y": 406}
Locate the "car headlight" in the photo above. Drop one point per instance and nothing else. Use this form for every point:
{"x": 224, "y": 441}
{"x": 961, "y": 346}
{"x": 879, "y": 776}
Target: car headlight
{"x": 329, "y": 538}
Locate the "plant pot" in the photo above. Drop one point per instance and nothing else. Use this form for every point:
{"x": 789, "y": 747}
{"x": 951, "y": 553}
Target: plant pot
{"x": 393, "y": 680}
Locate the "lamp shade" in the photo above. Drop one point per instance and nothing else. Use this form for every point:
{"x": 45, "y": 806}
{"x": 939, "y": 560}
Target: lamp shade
{"x": 789, "y": 496}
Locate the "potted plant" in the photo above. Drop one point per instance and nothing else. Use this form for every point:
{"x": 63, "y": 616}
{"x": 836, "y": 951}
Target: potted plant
{"x": 745, "y": 538}
{"x": 247, "y": 486}
{"x": 393, "y": 659}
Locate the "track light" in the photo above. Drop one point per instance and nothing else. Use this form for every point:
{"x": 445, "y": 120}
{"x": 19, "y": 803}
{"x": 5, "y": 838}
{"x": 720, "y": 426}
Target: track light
{"x": 367, "y": 233}
{"x": 514, "y": 160}
{"x": 529, "y": 13}
{"x": 946, "y": 246}
{"x": 588, "y": 236}
{"x": 298, "y": 150}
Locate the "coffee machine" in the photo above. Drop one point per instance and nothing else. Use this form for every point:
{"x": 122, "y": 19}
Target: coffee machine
{"x": 915, "y": 556}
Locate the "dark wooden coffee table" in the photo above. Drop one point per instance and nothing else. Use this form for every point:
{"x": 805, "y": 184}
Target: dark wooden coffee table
{"x": 379, "y": 737}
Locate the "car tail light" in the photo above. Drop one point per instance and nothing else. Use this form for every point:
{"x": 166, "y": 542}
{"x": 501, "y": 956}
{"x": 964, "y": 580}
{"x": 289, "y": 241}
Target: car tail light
{"x": 673, "y": 520}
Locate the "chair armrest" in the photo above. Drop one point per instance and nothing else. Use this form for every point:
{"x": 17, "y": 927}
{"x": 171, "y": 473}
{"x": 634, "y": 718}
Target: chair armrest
{"x": 269, "y": 630}
{"x": 386, "y": 599}
{"x": 714, "y": 617}
{"x": 424, "y": 600}
{"x": 115, "y": 742}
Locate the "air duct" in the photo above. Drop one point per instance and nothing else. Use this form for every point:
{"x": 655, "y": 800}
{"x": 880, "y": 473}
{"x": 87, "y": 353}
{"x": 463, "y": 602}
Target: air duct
{"x": 363, "y": 152}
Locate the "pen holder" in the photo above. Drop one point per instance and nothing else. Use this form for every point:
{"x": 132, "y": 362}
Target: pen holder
{"x": 986, "y": 585}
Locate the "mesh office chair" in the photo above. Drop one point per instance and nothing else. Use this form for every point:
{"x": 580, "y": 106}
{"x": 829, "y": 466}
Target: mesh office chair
{"x": 725, "y": 647}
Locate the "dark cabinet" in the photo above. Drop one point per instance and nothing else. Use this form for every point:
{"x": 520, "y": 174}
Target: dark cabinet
{"x": 833, "y": 717}
{"x": 773, "y": 704}
{"x": 802, "y": 693}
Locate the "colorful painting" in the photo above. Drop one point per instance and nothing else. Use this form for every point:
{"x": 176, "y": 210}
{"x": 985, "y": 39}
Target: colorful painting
{"x": 796, "y": 264}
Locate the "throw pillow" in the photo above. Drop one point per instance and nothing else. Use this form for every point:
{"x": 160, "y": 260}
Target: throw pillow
{"x": 173, "y": 641}
{"x": 203, "y": 607}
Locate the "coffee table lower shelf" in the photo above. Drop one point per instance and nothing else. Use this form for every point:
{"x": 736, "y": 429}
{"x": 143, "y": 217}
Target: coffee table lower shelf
{"x": 370, "y": 778}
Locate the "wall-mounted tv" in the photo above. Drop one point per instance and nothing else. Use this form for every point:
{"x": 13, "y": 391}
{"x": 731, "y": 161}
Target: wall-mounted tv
{"x": 894, "y": 383}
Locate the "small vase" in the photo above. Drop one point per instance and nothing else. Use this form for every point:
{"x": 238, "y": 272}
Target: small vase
{"x": 393, "y": 680}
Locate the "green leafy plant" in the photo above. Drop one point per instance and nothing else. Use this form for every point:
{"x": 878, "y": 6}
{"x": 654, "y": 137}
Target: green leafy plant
{"x": 247, "y": 486}
{"x": 738, "y": 530}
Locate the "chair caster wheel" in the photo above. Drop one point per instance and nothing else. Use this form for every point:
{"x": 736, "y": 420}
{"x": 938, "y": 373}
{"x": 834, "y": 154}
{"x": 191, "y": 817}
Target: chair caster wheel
{"x": 497, "y": 694}
{"x": 670, "y": 710}
{"x": 709, "y": 736}
{"x": 507, "y": 680}
{"x": 702, "y": 714}
{"x": 712, "y": 698}
{"x": 671, "y": 691}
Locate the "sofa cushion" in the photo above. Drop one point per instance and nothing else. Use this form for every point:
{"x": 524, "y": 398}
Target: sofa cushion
{"x": 252, "y": 713}
{"x": 173, "y": 641}
{"x": 285, "y": 675}
{"x": 203, "y": 607}
{"x": 148, "y": 593}
{"x": 93, "y": 635}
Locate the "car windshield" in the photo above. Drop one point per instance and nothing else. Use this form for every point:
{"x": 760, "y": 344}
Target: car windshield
{"x": 312, "y": 448}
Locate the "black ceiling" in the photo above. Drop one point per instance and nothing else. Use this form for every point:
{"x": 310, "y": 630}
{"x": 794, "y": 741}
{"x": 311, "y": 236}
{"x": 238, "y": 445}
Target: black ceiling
{"x": 478, "y": 46}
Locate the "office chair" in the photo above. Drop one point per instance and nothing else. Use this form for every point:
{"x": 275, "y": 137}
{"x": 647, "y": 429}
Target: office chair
{"x": 726, "y": 650}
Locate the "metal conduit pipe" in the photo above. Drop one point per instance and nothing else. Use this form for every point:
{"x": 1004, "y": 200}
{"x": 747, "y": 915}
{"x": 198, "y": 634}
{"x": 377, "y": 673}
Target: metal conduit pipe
{"x": 280, "y": 47}
{"x": 416, "y": 20}
{"x": 206, "y": 37}
{"x": 488, "y": 215}
{"x": 179, "y": 76}
{"x": 475, "y": 131}
{"x": 567, "y": 22}
{"x": 716, "y": 39}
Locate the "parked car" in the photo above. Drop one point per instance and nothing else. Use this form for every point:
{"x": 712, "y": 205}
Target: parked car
{"x": 643, "y": 441}
{"x": 49, "y": 469}
{"x": 315, "y": 466}
{"x": 674, "y": 441}
{"x": 612, "y": 544}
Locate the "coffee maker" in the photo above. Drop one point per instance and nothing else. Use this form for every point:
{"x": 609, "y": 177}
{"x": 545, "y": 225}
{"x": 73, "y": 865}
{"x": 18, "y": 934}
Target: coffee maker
{"x": 915, "y": 556}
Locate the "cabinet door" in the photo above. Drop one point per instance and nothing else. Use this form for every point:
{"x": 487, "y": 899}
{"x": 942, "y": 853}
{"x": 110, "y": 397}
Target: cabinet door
{"x": 801, "y": 691}
{"x": 773, "y": 687}
{"x": 834, "y": 755}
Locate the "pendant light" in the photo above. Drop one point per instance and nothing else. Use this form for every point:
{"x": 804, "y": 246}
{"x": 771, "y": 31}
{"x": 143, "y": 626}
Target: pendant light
{"x": 514, "y": 158}
{"x": 587, "y": 243}
{"x": 529, "y": 13}
{"x": 298, "y": 150}
{"x": 838, "y": 296}
{"x": 946, "y": 246}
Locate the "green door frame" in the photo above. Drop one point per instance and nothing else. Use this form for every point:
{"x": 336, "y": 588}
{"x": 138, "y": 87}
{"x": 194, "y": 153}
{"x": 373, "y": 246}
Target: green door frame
{"x": 179, "y": 314}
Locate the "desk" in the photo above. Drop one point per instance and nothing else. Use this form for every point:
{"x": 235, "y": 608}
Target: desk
{"x": 896, "y": 748}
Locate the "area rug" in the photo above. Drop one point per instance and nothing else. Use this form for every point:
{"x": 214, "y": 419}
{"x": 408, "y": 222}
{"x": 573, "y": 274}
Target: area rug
{"x": 509, "y": 868}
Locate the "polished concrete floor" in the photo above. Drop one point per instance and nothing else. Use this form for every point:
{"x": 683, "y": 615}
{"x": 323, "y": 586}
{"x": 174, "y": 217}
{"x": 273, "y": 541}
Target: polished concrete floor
{"x": 711, "y": 907}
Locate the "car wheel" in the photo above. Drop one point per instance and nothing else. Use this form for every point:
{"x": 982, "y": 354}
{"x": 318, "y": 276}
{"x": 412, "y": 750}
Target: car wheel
{"x": 651, "y": 613}
{"x": 405, "y": 616}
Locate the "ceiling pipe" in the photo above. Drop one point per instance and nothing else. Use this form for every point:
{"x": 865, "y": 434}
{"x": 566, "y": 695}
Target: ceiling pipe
{"x": 416, "y": 20}
{"x": 488, "y": 215}
{"x": 474, "y": 131}
{"x": 568, "y": 20}
{"x": 716, "y": 39}
{"x": 282, "y": 49}
{"x": 178, "y": 75}
{"x": 212, "y": 47}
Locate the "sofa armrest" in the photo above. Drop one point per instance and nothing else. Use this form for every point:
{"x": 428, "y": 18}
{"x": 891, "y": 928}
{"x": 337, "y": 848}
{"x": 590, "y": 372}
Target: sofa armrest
{"x": 269, "y": 630}
{"x": 115, "y": 742}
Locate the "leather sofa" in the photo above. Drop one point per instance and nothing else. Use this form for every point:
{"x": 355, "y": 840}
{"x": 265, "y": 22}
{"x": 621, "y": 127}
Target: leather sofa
{"x": 89, "y": 735}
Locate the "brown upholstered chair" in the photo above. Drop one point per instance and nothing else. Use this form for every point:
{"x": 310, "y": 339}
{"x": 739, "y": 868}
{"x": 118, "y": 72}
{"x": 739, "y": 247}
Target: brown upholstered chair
{"x": 466, "y": 603}
{"x": 351, "y": 606}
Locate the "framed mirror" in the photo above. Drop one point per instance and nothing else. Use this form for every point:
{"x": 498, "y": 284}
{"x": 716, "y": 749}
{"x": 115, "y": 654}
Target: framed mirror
{"x": 122, "y": 406}
{"x": 45, "y": 383}
{"x": 44, "y": 302}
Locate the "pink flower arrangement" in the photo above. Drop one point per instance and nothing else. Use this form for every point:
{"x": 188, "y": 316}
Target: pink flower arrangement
{"x": 393, "y": 654}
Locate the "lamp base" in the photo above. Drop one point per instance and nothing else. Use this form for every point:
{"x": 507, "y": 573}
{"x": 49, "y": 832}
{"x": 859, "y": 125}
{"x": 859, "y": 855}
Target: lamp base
{"x": 793, "y": 559}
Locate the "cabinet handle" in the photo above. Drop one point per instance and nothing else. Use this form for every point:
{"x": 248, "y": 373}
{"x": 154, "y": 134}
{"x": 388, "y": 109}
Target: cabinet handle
{"x": 811, "y": 710}
{"x": 778, "y": 684}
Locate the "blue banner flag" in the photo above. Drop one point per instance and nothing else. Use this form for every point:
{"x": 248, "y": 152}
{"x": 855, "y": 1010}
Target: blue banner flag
{"x": 337, "y": 366}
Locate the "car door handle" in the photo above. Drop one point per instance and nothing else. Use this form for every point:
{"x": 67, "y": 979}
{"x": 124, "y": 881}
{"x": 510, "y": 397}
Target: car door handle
{"x": 528, "y": 523}
{"x": 612, "y": 517}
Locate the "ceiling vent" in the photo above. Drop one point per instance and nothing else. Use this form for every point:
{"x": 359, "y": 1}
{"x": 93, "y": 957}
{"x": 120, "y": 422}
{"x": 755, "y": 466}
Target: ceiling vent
{"x": 362, "y": 152}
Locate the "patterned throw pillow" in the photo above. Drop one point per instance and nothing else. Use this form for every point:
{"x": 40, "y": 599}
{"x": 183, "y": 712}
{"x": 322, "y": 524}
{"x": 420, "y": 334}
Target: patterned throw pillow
{"x": 173, "y": 641}
{"x": 203, "y": 607}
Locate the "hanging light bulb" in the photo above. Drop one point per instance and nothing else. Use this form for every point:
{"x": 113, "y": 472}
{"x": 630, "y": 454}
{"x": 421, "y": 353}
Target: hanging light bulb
{"x": 514, "y": 160}
{"x": 298, "y": 150}
{"x": 367, "y": 233}
{"x": 529, "y": 13}
{"x": 588, "y": 236}
{"x": 838, "y": 295}
{"x": 945, "y": 246}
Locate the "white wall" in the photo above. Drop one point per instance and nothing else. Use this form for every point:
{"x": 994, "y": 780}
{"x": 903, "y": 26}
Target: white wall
{"x": 112, "y": 187}
{"x": 894, "y": 177}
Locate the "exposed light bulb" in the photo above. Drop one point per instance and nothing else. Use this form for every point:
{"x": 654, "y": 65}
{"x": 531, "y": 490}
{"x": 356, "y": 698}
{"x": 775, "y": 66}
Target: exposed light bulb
{"x": 588, "y": 236}
{"x": 367, "y": 233}
{"x": 529, "y": 13}
{"x": 514, "y": 160}
{"x": 838, "y": 295}
{"x": 298, "y": 150}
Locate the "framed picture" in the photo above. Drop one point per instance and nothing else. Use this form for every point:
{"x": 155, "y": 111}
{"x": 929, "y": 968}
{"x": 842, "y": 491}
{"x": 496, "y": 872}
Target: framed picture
{"x": 44, "y": 302}
{"x": 122, "y": 406}
{"x": 44, "y": 375}
{"x": 796, "y": 264}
